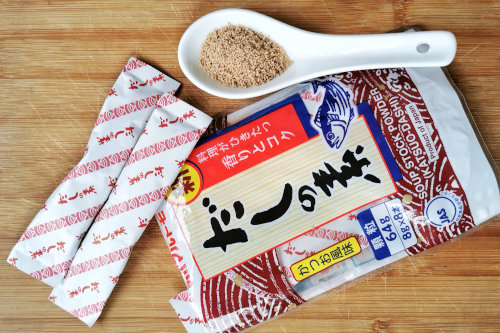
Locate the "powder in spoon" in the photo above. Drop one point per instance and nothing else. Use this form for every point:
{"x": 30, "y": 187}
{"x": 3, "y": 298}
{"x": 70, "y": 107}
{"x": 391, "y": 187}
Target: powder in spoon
{"x": 237, "y": 56}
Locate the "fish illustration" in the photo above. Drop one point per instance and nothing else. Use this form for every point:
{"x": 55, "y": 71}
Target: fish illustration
{"x": 335, "y": 113}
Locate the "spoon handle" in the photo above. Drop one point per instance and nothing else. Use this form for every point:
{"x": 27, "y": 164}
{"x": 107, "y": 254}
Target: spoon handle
{"x": 404, "y": 49}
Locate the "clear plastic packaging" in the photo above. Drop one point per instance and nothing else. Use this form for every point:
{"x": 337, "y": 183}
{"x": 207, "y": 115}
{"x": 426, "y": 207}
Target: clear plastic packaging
{"x": 319, "y": 186}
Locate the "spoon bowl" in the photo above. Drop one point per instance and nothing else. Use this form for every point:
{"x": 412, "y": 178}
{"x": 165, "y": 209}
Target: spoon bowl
{"x": 312, "y": 54}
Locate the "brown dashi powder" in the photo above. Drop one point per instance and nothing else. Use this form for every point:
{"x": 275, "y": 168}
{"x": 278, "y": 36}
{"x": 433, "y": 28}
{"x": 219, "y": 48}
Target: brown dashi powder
{"x": 237, "y": 56}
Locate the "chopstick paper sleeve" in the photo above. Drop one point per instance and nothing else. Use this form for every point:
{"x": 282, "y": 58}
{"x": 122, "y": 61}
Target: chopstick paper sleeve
{"x": 46, "y": 248}
{"x": 169, "y": 137}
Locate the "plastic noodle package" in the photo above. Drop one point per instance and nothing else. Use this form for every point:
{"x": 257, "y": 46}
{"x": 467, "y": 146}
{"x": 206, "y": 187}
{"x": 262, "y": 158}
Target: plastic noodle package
{"x": 168, "y": 139}
{"x": 318, "y": 185}
{"x": 46, "y": 248}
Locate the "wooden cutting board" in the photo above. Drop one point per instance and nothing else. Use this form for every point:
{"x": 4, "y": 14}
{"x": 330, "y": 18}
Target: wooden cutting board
{"x": 59, "y": 59}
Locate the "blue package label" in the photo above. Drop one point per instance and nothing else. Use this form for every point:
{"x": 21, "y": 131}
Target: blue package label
{"x": 387, "y": 228}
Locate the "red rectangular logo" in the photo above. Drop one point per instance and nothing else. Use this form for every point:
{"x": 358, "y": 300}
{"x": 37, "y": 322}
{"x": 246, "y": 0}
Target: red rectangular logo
{"x": 249, "y": 145}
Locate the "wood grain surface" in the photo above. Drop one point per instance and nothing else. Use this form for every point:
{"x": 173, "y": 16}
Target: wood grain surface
{"x": 60, "y": 58}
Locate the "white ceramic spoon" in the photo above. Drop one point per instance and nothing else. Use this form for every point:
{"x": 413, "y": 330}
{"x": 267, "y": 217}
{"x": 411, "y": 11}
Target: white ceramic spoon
{"x": 313, "y": 54}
